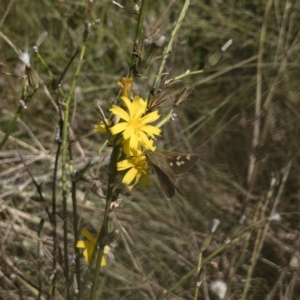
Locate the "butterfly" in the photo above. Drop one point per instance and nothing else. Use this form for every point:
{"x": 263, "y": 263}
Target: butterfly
{"x": 167, "y": 166}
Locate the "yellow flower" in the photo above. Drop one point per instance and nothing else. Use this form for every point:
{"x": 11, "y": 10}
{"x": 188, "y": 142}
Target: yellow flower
{"x": 135, "y": 127}
{"x": 137, "y": 164}
{"x": 125, "y": 84}
{"x": 138, "y": 170}
{"x": 89, "y": 246}
{"x": 101, "y": 126}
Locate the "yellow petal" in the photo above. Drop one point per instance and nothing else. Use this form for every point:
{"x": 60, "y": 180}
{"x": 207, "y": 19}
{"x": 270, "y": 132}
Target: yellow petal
{"x": 126, "y": 102}
{"x": 117, "y": 110}
{"x": 103, "y": 262}
{"x": 134, "y": 152}
{"x": 138, "y": 152}
{"x": 134, "y": 142}
{"x": 86, "y": 255}
{"x": 87, "y": 234}
{"x": 149, "y": 118}
{"x": 100, "y": 127}
{"x": 137, "y": 178}
{"x": 143, "y": 138}
{"x": 124, "y": 164}
{"x": 147, "y": 144}
{"x": 138, "y": 107}
{"x": 151, "y": 130}
{"x": 126, "y": 148}
{"x": 118, "y": 128}
{"x": 129, "y": 176}
{"x": 80, "y": 244}
{"x": 128, "y": 133}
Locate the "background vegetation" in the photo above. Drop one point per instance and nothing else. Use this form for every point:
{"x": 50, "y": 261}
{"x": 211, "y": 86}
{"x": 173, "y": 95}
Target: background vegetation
{"x": 243, "y": 112}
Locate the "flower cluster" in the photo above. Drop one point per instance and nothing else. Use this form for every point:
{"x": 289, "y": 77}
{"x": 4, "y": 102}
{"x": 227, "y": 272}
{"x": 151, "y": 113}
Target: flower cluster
{"x": 135, "y": 126}
{"x": 136, "y": 132}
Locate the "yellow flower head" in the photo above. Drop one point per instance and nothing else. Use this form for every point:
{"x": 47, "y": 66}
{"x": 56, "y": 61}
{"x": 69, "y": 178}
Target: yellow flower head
{"x": 135, "y": 127}
{"x": 101, "y": 126}
{"x": 89, "y": 245}
{"x": 138, "y": 170}
{"x": 136, "y": 163}
{"x": 125, "y": 84}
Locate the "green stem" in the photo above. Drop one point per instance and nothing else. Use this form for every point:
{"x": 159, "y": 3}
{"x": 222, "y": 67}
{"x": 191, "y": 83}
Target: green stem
{"x": 55, "y": 241}
{"x": 200, "y": 274}
{"x": 76, "y": 234}
{"x": 64, "y": 158}
{"x": 184, "y": 75}
{"x": 68, "y": 66}
{"x": 199, "y": 265}
{"x": 44, "y": 64}
{"x": 104, "y": 229}
{"x": 169, "y": 47}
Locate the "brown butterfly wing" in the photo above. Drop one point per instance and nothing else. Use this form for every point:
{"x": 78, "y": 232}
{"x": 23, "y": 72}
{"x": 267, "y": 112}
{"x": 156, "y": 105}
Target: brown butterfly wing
{"x": 180, "y": 162}
{"x": 168, "y": 186}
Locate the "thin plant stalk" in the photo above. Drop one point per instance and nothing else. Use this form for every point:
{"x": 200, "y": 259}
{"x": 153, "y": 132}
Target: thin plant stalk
{"x": 76, "y": 234}
{"x": 198, "y": 282}
{"x": 104, "y": 229}
{"x": 169, "y": 46}
{"x": 256, "y": 130}
{"x": 55, "y": 242}
{"x": 64, "y": 158}
{"x": 138, "y": 35}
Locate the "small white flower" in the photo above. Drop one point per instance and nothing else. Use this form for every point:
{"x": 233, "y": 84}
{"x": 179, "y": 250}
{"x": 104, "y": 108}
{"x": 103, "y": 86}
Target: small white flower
{"x": 161, "y": 40}
{"x": 242, "y": 219}
{"x": 273, "y": 181}
{"x": 216, "y": 223}
{"x": 41, "y": 253}
{"x": 25, "y": 58}
{"x": 294, "y": 262}
{"x": 226, "y": 45}
{"x": 116, "y": 204}
{"x": 173, "y": 117}
{"x": 199, "y": 283}
{"x": 23, "y": 104}
{"x": 136, "y": 8}
{"x": 219, "y": 287}
{"x": 275, "y": 217}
